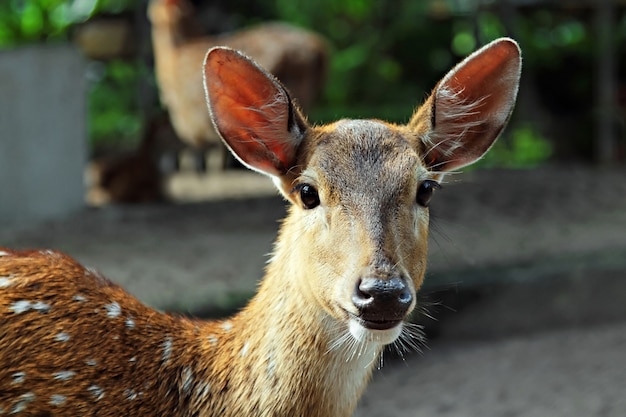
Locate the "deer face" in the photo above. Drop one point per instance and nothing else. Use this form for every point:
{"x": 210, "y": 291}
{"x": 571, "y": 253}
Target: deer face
{"x": 362, "y": 225}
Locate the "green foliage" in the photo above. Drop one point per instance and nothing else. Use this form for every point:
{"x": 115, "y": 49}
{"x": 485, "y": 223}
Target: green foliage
{"x": 29, "y": 21}
{"x": 24, "y": 21}
{"x": 523, "y": 147}
{"x": 550, "y": 37}
{"x": 115, "y": 118}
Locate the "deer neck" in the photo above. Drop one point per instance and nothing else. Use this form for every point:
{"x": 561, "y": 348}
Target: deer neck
{"x": 280, "y": 345}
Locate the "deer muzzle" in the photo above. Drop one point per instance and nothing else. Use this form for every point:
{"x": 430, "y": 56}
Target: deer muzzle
{"x": 382, "y": 303}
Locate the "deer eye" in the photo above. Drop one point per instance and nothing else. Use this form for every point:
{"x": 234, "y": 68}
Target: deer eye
{"x": 309, "y": 197}
{"x": 425, "y": 192}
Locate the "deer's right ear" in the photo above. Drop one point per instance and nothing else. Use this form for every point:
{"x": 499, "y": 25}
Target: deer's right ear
{"x": 252, "y": 112}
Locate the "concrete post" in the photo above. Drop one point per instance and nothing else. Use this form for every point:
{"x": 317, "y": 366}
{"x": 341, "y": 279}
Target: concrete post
{"x": 43, "y": 143}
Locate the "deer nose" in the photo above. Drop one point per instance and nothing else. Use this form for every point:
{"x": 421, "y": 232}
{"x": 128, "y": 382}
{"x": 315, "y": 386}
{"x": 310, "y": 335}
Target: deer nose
{"x": 382, "y": 303}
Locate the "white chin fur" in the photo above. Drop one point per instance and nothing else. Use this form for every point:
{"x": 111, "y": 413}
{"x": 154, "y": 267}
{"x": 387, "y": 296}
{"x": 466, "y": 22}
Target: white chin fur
{"x": 382, "y": 337}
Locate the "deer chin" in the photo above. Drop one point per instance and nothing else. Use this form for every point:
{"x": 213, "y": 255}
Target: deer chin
{"x": 364, "y": 334}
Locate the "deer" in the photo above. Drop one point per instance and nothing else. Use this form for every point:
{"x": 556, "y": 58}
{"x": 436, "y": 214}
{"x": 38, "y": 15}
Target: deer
{"x": 341, "y": 283}
{"x": 298, "y": 57}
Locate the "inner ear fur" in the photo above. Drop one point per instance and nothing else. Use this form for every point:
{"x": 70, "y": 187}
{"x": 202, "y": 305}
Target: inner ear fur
{"x": 252, "y": 112}
{"x": 469, "y": 107}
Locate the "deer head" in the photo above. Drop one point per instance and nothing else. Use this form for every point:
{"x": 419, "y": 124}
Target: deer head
{"x": 355, "y": 242}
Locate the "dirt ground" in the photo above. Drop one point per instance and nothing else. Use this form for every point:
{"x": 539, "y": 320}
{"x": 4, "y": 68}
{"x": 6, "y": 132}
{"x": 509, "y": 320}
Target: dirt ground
{"x": 527, "y": 279}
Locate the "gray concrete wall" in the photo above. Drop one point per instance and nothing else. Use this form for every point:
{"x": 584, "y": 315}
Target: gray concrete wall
{"x": 43, "y": 135}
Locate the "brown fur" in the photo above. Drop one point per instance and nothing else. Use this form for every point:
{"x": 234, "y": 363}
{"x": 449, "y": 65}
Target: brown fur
{"x": 132, "y": 177}
{"x": 73, "y": 343}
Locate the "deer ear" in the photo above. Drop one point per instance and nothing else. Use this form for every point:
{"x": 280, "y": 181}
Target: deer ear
{"x": 252, "y": 112}
{"x": 471, "y": 105}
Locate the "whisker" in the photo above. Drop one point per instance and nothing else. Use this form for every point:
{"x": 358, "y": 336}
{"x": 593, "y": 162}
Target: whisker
{"x": 415, "y": 338}
{"x": 380, "y": 360}
{"x": 424, "y": 312}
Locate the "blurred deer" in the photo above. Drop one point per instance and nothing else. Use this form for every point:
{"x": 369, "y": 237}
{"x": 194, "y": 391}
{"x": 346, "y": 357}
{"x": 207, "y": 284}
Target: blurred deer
{"x": 340, "y": 285}
{"x": 135, "y": 176}
{"x": 296, "y": 56}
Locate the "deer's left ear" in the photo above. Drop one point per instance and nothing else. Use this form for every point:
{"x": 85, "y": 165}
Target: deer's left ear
{"x": 470, "y": 106}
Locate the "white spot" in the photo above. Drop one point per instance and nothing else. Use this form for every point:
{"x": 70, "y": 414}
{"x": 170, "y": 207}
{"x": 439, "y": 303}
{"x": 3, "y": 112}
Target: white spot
{"x": 64, "y": 375}
{"x": 40, "y": 306}
{"x": 113, "y": 309}
{"x": 133, "y": 359}
{"x": 62, "y": 337}
{"x": 187, "y": 379}
{"x": 79, "y": 297}
{"x": 23, "y": 306}
{"x": 23, "y": 402}
{"x": 5, "y": 282}
{"x": 18, "y": 377}
{"x": 202, "y": 389}
{"x": 130, "y": 394}
{"x": 227, "y": 326}
{"x": 167, "y": 349}
{"x": 91, "y": 362}
{"x": 19, "y": 307}
{"x": 4, "y": 253}
{"x": 96, "y": 391}
{"x": 130, "y": 323}
{"x": 56, "y": 399}
{"x": 244, "y": 349}
{"x": 212, "y": 339}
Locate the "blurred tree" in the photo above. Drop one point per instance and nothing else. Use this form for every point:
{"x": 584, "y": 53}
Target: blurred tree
{"x": 24, "y": 21}
{"x": 115, "y": 120}
{"x": 113, "y": 116}
{"x": 33, "y": 20}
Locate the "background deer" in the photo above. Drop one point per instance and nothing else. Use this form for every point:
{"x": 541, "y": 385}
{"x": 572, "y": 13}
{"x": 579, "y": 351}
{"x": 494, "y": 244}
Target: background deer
{"x": 296, "y": 56}
{"x": 340, "y": 286}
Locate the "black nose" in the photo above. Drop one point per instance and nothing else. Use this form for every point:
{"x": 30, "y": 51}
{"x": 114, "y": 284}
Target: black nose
{"x": 382, "y": 303}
